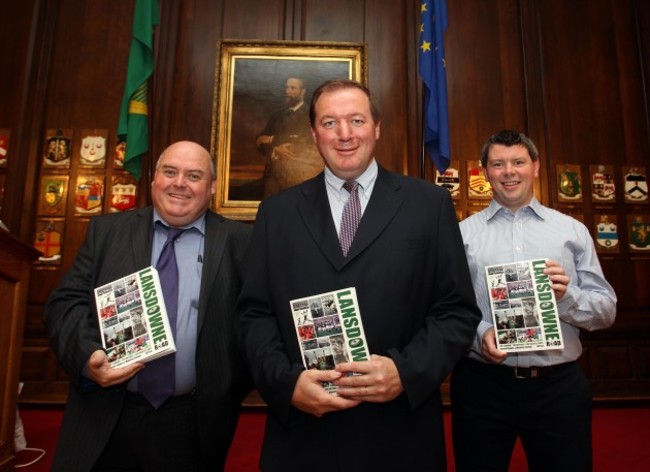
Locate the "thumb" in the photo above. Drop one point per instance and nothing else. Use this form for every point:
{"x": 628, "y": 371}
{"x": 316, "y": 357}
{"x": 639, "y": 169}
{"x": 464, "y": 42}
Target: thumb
{"x": 97, "y": 359}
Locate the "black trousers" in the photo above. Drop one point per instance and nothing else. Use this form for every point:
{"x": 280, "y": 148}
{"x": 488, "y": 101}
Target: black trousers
{"x": 551, "y": 414}
{"x": 146, "y": 439}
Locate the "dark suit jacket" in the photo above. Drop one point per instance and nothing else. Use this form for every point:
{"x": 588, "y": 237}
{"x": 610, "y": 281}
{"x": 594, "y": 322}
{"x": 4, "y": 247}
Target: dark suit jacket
{"x": 417, "y": 305}
{"x": 117, "y": 245}
{"x": 287, "y": 127}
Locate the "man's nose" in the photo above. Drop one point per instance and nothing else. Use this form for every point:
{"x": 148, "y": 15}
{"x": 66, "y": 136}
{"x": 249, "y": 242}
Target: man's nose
{"x": 179, "y": 180}
{"x": 345, "y": 130}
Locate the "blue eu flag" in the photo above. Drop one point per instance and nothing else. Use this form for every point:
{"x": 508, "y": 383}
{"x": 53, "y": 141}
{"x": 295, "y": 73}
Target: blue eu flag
{"x": 432, "y": 71}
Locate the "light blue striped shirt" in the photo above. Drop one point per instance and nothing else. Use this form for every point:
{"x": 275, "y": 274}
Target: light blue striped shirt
{"x": 189, "y": 258}
{"x": 497, "y": 236}
{"x": 338, "y": 196}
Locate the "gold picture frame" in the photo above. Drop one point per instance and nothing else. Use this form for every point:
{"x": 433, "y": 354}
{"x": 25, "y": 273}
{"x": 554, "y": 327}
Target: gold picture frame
{"x": 249, "y": 88}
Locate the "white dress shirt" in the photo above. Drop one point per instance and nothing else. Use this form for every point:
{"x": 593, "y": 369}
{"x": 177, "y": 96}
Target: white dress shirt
{"x": 338, "y": 196}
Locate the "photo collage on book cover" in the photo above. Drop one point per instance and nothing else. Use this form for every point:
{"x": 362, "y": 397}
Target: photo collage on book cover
{"x": 512, "y": 295}
{"x": 122, "y": 317}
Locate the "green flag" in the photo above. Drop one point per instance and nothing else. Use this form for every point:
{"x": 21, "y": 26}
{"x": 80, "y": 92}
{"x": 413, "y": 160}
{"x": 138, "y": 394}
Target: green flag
{"x": 133, "y": 127}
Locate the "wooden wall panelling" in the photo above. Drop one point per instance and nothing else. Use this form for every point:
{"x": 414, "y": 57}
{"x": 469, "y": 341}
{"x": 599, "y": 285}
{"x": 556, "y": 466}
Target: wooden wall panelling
{"x": 484, "y": 73}
{"x": 643, "y": 364}
{"x": 194, "y": 58}
{"x": 382, "y": 25}
{"x": 188, "y": 68}
{"x": 536, "y": 113}
{"x": 28, "y": 36}
{"x": 641, "y": 10}
{"x": 526, "y": 64}
{"x": 616, "y": 361}
{"x": 252, "y": 19}
{"x": 618, "y": 372}
{"x": 186, "y": 61}
{"x": 386, "y": 30}
{"x": 29, "y": 85}
{"x": 45, "y": 382}
{"x": 86, "y": 79}
{"x": 338, "y": 20}
{"x": 81, "y": 67}
{"x": 15, "y": 48}
{"x": 632, "y": 84}
{"x": 163, "y": 87}
{"x": 294, "y": 25}
{"x": 417, "y": 164}
{"x": 592, "y": 82}
{"x": 629, "y": 279}
{"x": 485, "y": 79}
{"x": 640, "y": 145}
{"x": 89, "y": 56}
{"x": 15, "y": 261}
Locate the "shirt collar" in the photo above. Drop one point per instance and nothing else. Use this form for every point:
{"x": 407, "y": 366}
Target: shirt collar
{"x": 199, "y": 223}
{"x": 297, "y": 106}
{"x": 365, "y": 180}
{"x": 533, "y": 206}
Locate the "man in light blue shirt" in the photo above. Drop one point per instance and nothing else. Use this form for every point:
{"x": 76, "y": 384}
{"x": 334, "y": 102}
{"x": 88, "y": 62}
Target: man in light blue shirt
{"x": 110, "y": 423}
{"x": 542, "y": 397}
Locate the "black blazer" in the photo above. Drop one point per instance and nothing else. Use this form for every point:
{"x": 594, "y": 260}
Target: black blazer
{"x": 417, "y": 304}
{"x": 117, "y": 245}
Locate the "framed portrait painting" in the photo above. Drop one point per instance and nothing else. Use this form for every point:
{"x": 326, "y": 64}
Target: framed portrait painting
{"x": 261, "y": 136}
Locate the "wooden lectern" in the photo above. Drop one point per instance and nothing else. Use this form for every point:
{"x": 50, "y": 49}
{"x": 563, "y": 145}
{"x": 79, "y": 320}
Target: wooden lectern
{"x": 15, "y": 264}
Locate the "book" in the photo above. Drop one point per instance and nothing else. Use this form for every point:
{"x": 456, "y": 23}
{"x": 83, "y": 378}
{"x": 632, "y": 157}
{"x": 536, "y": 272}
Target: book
{"x": 329, "y": 330}
{"x": 133, "y": 319}
{"x": 524, "y": 308}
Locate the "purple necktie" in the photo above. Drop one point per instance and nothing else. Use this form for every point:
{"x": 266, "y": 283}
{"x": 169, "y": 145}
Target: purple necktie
{"x": 351, "y": 216}
{"x": 157, "y": 380}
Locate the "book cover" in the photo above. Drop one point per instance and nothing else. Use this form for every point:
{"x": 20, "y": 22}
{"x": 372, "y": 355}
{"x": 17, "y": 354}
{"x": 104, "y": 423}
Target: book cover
{"x": 133, "y": 320}
{"x": 524, "y": 309}
{"x": 329, "y": 330}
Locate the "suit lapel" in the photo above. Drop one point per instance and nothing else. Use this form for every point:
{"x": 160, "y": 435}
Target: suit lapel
{"x": 315, "y": 212}
{"x": 142, "y": 234}
{"x": 384, "y": 203}
{"x": 314, "y": 209}
{"x": 213, "y": 250}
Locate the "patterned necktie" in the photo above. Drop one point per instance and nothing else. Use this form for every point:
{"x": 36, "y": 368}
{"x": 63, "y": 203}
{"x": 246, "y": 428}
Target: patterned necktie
{"x": 157, "y": 380}
{"x": 351, "y": 216}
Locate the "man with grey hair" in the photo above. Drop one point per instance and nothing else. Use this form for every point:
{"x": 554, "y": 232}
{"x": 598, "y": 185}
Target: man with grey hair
{"x": 290, "y": 154}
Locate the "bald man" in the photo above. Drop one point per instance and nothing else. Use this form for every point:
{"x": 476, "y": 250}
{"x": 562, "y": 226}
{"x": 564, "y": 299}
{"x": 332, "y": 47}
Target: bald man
{"x": 108, "y": 423}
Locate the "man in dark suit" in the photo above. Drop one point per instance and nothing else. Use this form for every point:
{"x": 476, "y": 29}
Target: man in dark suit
{"x": 285, "y": 141}
{"x": 108, "y": 424}
{"x": 414, "y": 291}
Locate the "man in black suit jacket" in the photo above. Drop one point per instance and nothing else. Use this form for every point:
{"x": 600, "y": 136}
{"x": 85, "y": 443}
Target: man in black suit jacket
{"x": 108, "y": 425}
{"x": 285, "y": 141}
{"x": 414, "y": 291}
